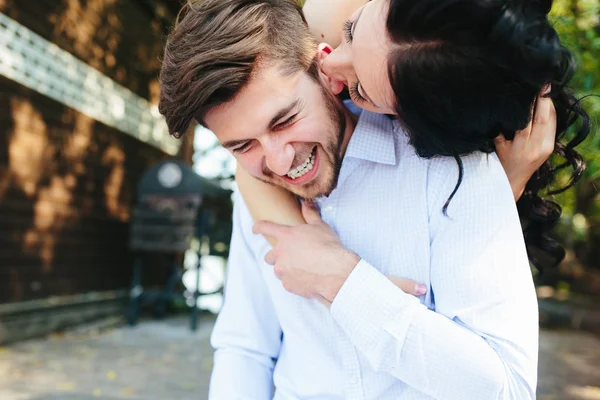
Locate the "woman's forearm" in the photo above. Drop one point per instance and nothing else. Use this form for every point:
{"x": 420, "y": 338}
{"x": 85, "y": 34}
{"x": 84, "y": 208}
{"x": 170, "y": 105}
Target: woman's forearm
{"x": 267, "y": 202}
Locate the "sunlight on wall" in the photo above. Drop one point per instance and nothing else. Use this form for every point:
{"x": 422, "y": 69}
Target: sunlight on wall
{"x": 28, "y": 146}
{"x": 30, "y": 164}
{"x": 114, "y": 157}
{"x": 34, "y": 62}
{"x": 50, "y": 217}
{"x": 68, "y": 23}
{"x": 76, "y": 147}
{"x": 584, "y": 392}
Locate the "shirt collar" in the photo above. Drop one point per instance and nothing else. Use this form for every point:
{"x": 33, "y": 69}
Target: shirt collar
{"x": 373, "y": 139}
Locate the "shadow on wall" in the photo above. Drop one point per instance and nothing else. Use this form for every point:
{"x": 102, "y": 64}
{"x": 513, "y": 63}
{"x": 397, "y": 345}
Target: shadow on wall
{"x": 122, "y": 39}
{"x": 67, "y": 184}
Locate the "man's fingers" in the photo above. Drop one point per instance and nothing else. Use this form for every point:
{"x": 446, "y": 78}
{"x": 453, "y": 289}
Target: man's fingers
{"x": 324, "y": 301}
{"x": 310, "y": 213}
{"x": 271, "y": 229}
{"x": 409, "y": 286}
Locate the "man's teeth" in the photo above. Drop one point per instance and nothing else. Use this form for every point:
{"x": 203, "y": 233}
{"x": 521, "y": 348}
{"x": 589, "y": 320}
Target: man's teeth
{"x": 302, "y": 169}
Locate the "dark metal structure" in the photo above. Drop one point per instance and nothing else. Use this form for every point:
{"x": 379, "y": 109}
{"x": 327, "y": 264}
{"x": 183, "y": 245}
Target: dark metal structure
{"x": 174, "y": 205}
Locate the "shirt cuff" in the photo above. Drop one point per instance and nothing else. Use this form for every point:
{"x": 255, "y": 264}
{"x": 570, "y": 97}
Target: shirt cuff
{"x": 372, "y": 310}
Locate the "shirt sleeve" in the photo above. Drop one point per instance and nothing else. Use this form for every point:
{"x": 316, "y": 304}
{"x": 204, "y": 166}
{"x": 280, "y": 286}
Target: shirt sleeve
{"x": 247, "y": 334}
{"x": 482, "y": 340}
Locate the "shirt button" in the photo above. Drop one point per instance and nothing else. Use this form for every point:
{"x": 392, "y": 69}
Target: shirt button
{"x": 328, "y": 209}
{"x": 353, "y": 380}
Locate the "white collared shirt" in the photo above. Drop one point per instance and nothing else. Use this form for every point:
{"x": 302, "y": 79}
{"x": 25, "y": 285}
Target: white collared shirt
{"x": 473, "y": 336}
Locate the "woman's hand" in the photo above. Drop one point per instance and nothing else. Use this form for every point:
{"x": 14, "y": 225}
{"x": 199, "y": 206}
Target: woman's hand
{"x": 310, "y": 259}
{"x": 531, "y": 147}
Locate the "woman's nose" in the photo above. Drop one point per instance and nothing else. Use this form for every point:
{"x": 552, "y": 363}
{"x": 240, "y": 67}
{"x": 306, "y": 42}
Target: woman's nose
{"x": 338, "y": 65}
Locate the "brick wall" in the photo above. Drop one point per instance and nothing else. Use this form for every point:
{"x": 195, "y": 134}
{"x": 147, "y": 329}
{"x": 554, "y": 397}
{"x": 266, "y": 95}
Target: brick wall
{"x": 67, "y": 182}
{"x": 120, "y": 38}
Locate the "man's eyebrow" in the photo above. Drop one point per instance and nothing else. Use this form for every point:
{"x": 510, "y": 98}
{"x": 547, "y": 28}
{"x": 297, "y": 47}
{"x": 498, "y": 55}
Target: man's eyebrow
{"x": 283, "y": 112}
{"x": 234, "y": 143}
{"x": 280, "y": 114}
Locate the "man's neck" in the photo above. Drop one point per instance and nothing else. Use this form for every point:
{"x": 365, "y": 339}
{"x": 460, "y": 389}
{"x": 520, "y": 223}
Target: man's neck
{"x": 351, "y": 121}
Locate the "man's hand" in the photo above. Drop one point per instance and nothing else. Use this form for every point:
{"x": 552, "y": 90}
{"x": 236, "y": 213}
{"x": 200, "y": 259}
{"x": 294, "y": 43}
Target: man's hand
{"x": 311, "y": 261}
{"x": 531, "y": 147}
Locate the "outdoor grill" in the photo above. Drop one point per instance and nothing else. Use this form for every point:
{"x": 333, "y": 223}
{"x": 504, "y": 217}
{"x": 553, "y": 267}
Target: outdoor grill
{"x": 175, "y": 205}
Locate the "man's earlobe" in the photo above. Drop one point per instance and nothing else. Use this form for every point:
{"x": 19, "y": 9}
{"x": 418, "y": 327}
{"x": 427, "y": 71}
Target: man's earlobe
{"x": 323, "y": 50}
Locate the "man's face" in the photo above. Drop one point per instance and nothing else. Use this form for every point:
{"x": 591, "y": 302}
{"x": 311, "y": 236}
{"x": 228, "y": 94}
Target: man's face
{"x": 285, "y": 130}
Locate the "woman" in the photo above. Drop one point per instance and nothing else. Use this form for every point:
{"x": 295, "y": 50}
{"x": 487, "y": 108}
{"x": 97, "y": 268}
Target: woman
{"x": 461, "y": 77}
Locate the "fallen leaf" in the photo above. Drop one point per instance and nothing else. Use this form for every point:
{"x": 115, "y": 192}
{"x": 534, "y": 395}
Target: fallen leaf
{"x": 189, "y": 385}
{"x": 207, "y": 364}
{"x": 65, "y": 386}
{"x": 128, "y": 391}
{"x": 111, "y": 375}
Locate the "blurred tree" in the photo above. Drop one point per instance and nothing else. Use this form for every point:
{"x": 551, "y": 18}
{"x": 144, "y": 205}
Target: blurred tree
{"x": 578, "y": 22}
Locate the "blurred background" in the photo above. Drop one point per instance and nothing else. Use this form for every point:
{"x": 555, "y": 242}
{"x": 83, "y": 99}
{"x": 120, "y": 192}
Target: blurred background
{"x": 105, "y": 220}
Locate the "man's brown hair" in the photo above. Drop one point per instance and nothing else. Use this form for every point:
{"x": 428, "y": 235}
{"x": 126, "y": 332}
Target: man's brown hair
{"x": 215, "y": 48}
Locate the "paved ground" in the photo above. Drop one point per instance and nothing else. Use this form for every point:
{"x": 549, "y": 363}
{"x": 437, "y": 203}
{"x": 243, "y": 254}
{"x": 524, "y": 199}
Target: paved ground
{"x": 157, "y": 360}
{"x": 163, "y": 360}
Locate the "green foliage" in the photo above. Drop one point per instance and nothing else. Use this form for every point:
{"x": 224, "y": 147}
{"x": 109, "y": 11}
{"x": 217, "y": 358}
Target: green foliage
{"x": 578, "y": 23}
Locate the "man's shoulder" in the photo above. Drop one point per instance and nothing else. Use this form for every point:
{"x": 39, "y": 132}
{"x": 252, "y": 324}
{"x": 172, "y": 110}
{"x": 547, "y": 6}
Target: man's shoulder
{"x": 476, "y": 166}
{"x": 241, "y": 213}
{"x": 482, "y": 180}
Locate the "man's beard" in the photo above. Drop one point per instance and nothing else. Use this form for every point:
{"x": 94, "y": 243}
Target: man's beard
{"x": 333, "y": 153}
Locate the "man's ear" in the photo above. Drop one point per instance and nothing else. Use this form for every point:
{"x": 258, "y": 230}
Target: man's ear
{"x": 334, "y": 85}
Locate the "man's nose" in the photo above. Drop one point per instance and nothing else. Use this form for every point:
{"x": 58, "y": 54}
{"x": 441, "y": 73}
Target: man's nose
{"x": 279, "y": 159}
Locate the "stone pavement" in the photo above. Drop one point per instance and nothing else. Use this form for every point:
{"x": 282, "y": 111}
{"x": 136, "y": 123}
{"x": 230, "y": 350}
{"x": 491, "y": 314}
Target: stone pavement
{"x": 164, "y": 360}
{"x": 157, "y": 360}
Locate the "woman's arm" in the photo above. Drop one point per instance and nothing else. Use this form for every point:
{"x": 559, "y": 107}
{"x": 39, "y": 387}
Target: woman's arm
{"x": 268, "y": 202}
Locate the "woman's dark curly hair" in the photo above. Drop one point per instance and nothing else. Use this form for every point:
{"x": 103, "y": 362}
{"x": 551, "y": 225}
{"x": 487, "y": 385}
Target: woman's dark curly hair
{"x": 465, "y": 71}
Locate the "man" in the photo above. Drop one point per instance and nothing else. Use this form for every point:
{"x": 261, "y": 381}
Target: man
{"x": 247, "y": 70}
